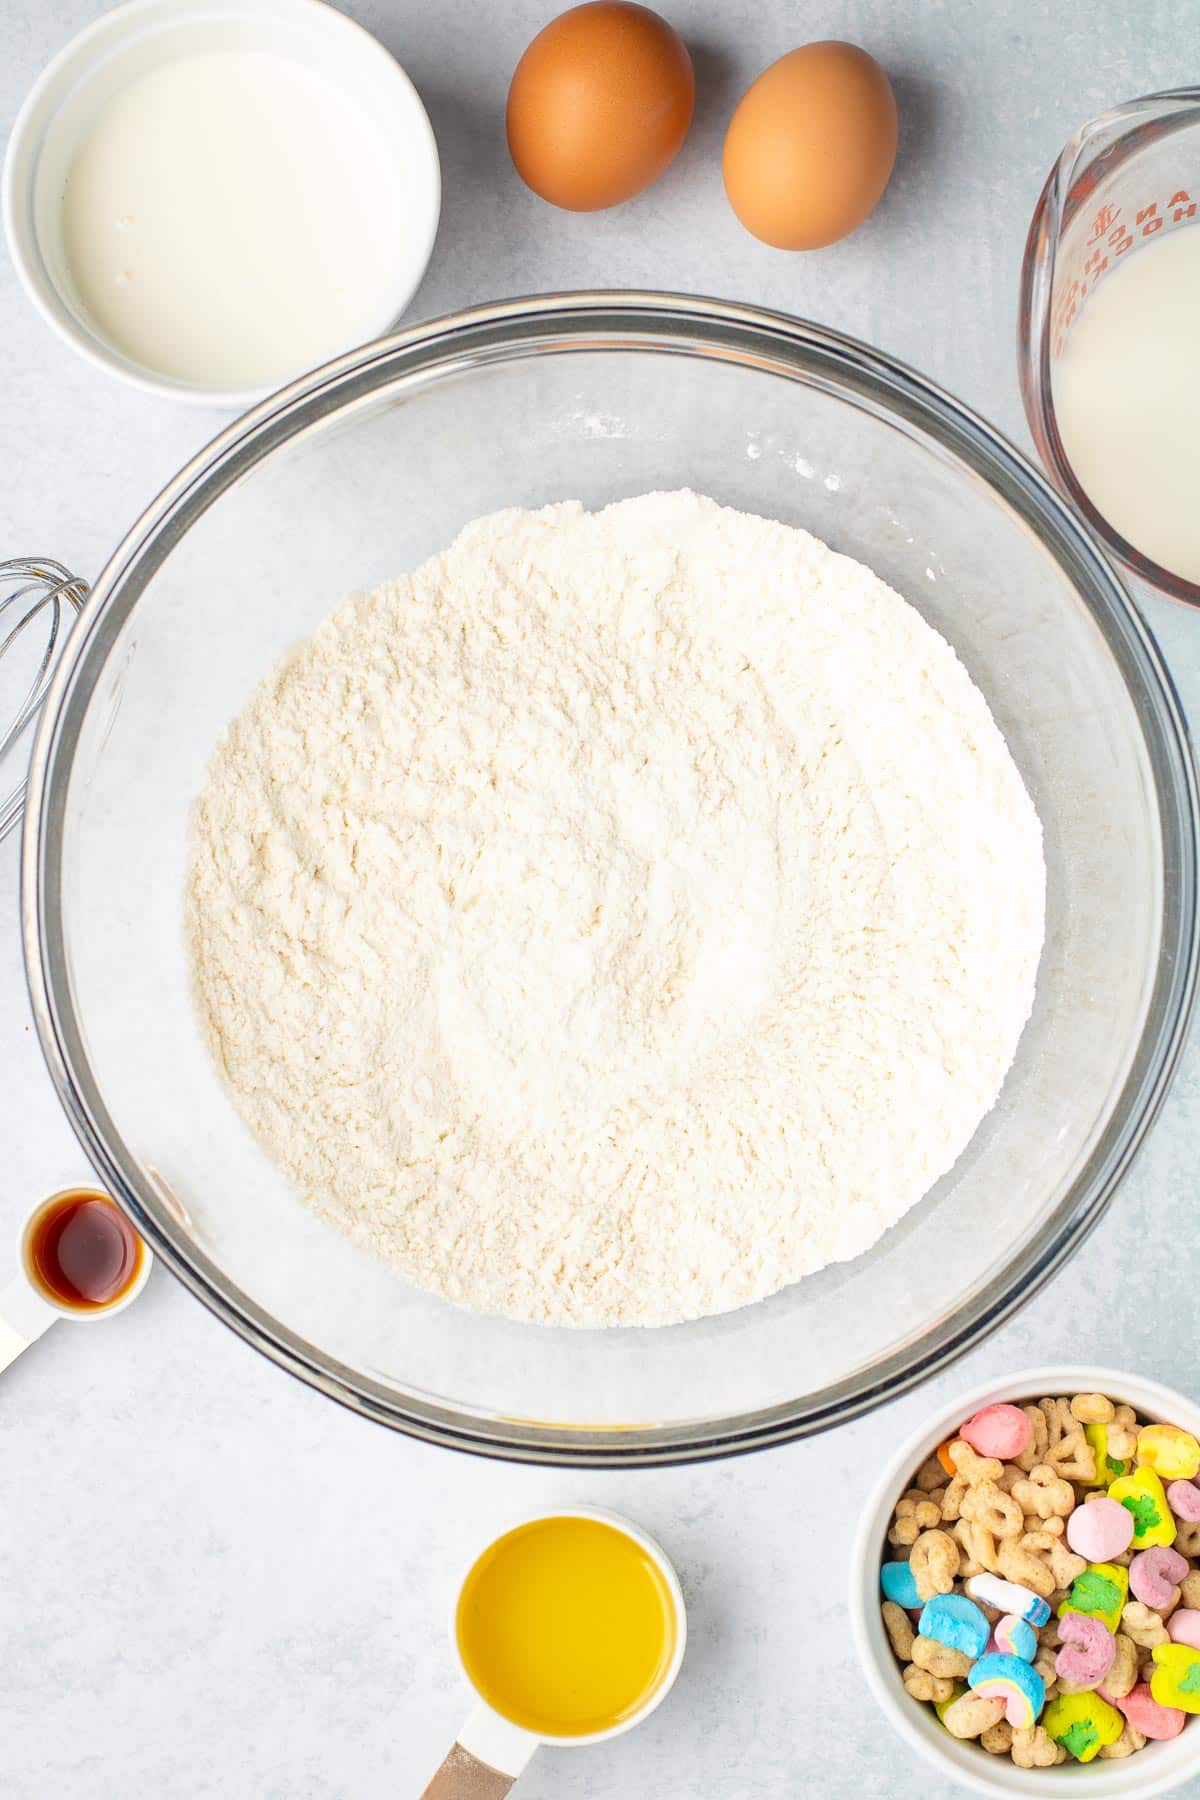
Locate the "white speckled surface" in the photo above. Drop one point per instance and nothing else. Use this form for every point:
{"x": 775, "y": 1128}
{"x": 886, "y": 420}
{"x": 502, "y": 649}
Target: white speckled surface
{"x": 212, "y": 1582}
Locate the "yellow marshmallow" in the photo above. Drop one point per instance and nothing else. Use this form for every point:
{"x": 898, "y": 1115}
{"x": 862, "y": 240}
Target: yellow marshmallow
{"x": 1170, "y": 1451}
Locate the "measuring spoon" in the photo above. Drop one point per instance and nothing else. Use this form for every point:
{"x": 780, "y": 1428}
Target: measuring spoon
{"x": 29, "y": 1305}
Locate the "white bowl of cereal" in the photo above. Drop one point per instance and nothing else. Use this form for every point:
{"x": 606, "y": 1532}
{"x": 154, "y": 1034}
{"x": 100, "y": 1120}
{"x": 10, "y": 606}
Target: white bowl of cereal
{"x": 1064, "y": 1446}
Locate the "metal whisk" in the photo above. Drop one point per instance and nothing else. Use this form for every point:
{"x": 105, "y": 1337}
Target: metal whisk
{"x": 32, "y": 589}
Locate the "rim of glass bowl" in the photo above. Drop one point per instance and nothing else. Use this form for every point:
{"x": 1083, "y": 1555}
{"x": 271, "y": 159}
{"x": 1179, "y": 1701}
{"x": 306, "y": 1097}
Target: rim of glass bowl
{"x": 668, "y": 323}
{"x": 1065, "y": 191}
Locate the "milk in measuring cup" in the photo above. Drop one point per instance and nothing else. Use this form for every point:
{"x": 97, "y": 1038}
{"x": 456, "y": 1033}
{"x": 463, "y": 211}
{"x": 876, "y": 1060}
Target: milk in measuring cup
{"x": 1127, "y": 399}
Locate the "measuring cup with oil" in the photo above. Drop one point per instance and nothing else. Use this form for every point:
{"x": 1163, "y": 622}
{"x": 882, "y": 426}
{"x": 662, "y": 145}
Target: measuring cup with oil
{"x": 571, "y": 1629}
{"x": 79, "y": 1259}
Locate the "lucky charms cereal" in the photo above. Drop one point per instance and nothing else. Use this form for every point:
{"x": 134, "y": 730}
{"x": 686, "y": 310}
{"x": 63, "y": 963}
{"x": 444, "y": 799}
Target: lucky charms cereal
{"x": 1041, "y": 1582}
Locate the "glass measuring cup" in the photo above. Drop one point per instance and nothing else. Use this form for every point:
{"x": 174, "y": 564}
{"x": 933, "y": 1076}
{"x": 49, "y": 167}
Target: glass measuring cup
{"x": 1123, "y": 180}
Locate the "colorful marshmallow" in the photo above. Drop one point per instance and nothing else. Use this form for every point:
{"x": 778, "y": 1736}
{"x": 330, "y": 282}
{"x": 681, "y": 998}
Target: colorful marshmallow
{"x": 944, "y": 1457}
{"x": 1143, "y": 1494}
{"x": 1120, "y": 1526}
{"x": 1000, "y": 1431}
{"x": 1155, "y": 1575}
{"x": 1100, "y": 1531}
{"x": 1100, "y": 1592}
{"x": 900, "y": 1584}
{"x": 1016, "y": 1682}
{"x": 1170, "y": 1451}
{"x": 1146, "y": 1715}
{"x": 1014, "y": 1637}
{"x": 1183, "y": 1498}
{"x": 957, "y": 1622}
{"x": 1087, "y": 1654}
{"x": 1083, "y": 1724}
{"x": 1183, "y": 1627}
{"x": 1176, "y": 1677}
{"x": 1007, "y": 1597}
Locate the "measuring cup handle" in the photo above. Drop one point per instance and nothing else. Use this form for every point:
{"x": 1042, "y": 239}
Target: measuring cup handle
{"x": 24, "y": 1316}
{"x": 463, "y": 1777}
{"x": 484, "y": 1762}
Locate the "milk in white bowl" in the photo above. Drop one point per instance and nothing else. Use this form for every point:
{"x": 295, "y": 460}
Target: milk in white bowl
{"x": 208, "y": 201}
{"x": 1127, "y": 400}
{"x": 229, "y": 219}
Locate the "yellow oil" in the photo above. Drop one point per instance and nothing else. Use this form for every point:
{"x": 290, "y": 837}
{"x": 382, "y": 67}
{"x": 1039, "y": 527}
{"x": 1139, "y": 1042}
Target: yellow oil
{"x": 566, "y": 1626}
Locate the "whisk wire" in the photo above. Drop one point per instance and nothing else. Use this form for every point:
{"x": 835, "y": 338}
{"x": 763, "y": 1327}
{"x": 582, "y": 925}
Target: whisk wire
{"x": 29, "y": 588}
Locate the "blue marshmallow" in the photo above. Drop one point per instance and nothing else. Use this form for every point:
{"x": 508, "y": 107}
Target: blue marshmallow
{"x": 1017, "y": 1683}
{"x": 957, "y": 1622}
{"x": 899, "y": 1584}
{"x": 1017, "y": 1637}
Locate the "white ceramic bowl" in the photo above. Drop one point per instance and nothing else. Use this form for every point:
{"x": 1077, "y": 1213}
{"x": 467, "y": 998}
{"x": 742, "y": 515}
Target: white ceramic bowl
{"x": 143, "y": 34}
{"x": 1158, "y": 1768}
{"x": 508, "y": 1747}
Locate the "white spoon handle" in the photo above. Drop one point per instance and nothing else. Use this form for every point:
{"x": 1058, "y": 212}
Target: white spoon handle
{"x": 24, "y": 1316}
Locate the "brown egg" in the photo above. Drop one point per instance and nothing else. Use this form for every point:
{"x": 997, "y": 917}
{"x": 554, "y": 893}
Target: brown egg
{"x": 599, "y": 104}
{"x": 810, "y": 148}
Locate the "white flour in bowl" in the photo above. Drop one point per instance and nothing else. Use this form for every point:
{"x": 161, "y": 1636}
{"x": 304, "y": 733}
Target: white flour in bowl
{"x": 619, "y": 918}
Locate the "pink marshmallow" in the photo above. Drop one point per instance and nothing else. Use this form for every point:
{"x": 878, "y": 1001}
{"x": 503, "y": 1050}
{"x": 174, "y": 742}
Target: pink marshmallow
{"x": 1101, "y": 1530}
{"x": 1001, "y": 1431}
{"x": 1183, "y": 1627}
{"x": 1183, "y": 1497}
{"x": 1089, "y": 1648}
{"x": 1155, "y": 1574}
{"x": 1147, "y": 1716}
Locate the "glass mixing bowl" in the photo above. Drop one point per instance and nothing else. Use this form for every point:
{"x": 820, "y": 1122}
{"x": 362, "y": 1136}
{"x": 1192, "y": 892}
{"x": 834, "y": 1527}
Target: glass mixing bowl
{"x": 360, "y": 471}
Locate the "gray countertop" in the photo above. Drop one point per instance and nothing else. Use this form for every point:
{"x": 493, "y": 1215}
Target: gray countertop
{"x": 213, "y": 1581}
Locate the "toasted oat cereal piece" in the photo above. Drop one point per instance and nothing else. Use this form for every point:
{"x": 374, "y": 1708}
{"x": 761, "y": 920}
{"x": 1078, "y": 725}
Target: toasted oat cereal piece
{"x": 1034, "y": 1748}
{"x": 1187, "y": 1537}
{"x": 919, "y": 1684}
{"x": 1093, "y": 1409}
{"x": 1143, "y": 1625}
{"x": 915, "y": 1513}
{"x": 1129, "y": 1741}
{"x": 930, "y": 1475}
{"x": 970, "y": 1465}
{"x": 1045, "y": 1493}
{"x": 988, "y": 1505}
{"x": 979, "y": 1555}
{"x": 973, "y": 1714}
{"x": 899, "y": 1628}
{"x": 934, "y": 1562}
{"x": 940, "y": 1659}
{"x": 952, "y": 1498}
{"x": 1073, "y": 1457}
{"x": 1121, "y": 1442}
{"x": 1026, "y": 1569}
{"x": 1059, "y": 1421}
{"x": 997, "y": 1739}
{"x": 1122, "y": 1677}
{"x": 1036, "y": 1452}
